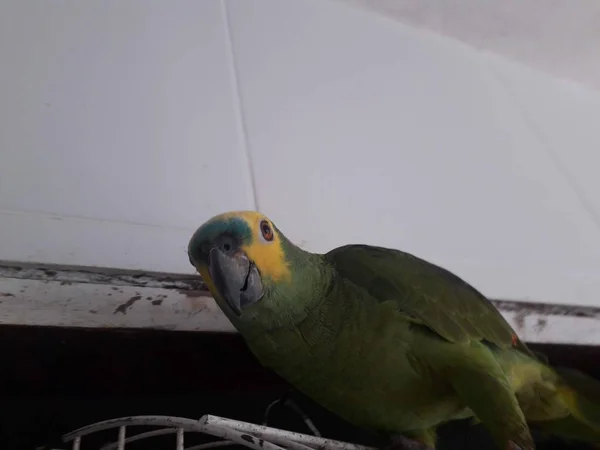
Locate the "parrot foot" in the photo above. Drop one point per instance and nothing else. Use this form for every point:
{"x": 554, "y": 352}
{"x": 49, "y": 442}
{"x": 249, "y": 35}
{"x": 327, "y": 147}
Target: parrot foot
{"x": 286, "y": 401}
{"x": 404, "y": 443}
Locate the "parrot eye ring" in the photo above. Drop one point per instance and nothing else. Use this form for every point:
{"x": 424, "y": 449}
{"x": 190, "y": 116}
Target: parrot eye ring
{"x": 266, "y": 230}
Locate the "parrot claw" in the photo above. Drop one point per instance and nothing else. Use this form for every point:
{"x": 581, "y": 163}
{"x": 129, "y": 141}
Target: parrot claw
{"x": 404, "y": 443}
{"x": 286, "y": 401}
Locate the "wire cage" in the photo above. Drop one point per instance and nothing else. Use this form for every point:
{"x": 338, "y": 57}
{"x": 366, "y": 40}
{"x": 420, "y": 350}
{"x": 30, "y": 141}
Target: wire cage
{"x": 228, "y": 431}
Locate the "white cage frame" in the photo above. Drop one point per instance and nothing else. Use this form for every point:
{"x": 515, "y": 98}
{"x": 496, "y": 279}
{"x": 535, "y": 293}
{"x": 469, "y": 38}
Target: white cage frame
{"x": 230, "y": 432}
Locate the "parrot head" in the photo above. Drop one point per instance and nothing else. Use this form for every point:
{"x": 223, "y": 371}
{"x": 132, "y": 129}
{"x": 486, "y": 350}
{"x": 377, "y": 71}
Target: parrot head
{"x": 250, "y": 268}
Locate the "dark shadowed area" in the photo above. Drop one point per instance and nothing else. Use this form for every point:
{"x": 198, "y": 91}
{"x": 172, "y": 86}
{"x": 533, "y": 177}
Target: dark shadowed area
{"x": 56, "y": 380}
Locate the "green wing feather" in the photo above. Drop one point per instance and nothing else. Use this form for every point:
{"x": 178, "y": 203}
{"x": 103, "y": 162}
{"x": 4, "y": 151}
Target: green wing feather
{"x": 428, "y": 294}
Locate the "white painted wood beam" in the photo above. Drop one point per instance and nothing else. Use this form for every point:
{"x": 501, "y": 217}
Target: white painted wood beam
{"x": 46, "y": 295}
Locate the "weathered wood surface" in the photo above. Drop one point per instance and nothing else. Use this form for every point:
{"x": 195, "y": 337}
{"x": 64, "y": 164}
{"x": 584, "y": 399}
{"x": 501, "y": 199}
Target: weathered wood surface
{"x": 94, "y": 298}
{"x": 45, "y": 295}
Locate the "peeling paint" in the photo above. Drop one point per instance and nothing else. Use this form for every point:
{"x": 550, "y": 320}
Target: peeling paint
{"x": 195, "y": 294}
{"x": 128, "y": 304}
{"x": 520, "y": 320}
{"x": 540, "y": 324}
{"x": 114, "y": 277}
{"x": 547, "y": 309}
{"x": 89, "y": 305}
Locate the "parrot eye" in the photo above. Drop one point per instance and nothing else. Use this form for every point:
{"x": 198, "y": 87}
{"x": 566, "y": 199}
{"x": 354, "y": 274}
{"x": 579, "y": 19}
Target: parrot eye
{"x": 266, "y": 230}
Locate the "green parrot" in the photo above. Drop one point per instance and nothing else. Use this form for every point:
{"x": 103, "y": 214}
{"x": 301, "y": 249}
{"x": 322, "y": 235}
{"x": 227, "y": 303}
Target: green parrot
{"x": 385, "y": 340}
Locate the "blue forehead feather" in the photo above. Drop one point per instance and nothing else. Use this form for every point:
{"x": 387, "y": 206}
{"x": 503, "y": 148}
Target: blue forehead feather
{"x": 234, "y": 226}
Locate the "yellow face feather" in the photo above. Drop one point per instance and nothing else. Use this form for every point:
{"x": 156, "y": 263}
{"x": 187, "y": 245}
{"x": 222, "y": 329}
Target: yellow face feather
{"x": 268, "y": 256}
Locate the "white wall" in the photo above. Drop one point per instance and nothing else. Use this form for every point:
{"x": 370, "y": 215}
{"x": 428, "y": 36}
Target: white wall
{"x": 118, "y": 130}
{"x": 563, "y": 39}
{"x": 123, "y": 126}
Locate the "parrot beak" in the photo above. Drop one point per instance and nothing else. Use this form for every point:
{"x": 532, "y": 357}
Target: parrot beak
{"x": 236, "y": 278}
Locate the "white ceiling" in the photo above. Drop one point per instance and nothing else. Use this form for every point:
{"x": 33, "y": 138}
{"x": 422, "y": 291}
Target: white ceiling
{"x": 561, "y": 37}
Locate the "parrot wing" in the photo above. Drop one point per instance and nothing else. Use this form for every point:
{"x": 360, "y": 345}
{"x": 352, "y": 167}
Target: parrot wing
{"x": 427, "y": 294}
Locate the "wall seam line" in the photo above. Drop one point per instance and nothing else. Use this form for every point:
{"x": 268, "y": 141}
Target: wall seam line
{"x": 238, "y": 104}
{"x": 549, "y": 149}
